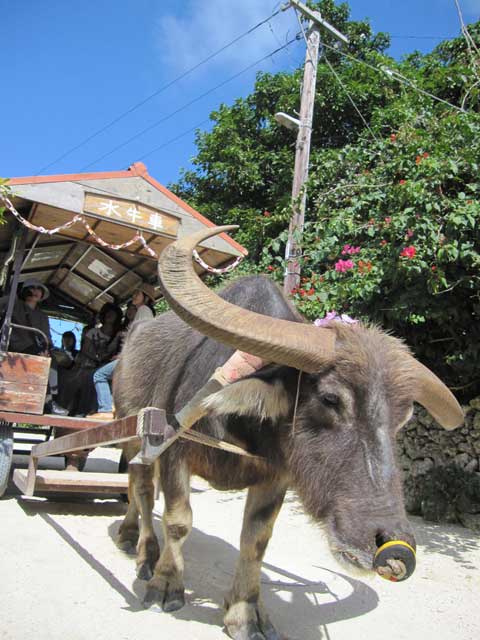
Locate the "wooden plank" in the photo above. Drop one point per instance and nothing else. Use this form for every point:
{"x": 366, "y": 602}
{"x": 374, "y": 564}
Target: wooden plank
{"x": 134, "y": 214}
{"x": 24, "y": 368}
{"x": 23, "y": 382}
{"x": 66, "y": 422}
{"x": 120, "y": 430}
{"x": 72, "y": 481}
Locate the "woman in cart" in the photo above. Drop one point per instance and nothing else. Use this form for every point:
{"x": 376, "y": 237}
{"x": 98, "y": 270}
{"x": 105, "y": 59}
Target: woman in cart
{"x": 99, "y": 345}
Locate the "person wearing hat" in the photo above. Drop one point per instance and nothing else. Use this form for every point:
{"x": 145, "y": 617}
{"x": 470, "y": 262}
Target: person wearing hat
{"x": 143, "y": 299}
{"x": 27, "y": 312}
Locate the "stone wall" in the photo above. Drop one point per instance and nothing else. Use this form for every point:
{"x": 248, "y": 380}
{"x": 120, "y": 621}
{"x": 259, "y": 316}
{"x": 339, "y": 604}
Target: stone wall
{"x": 431, "y": 456}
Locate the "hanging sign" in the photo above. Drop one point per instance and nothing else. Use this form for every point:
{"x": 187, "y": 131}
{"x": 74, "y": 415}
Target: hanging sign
{"x": 132, "y": 213}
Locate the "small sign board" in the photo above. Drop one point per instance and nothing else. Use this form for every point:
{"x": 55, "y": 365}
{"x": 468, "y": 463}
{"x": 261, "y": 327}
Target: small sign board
{"x": 132, "y": 213}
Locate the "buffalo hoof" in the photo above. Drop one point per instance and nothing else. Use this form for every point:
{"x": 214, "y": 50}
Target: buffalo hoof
{"x": 167, "y": 599}
{"x": 127, "y": 546}
{"x": 249, "y": 622}
{"x": 255, "y": 631}
{"x": 144, "y": 571}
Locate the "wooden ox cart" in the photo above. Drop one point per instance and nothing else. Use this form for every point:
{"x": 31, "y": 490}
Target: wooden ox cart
{"x": 92, "y": 239}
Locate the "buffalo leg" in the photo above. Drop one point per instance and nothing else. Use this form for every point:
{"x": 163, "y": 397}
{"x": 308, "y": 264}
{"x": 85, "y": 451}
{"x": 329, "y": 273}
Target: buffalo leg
{"x": 166, "y": 588}
{"x": 141, "y": 493}
{"x": 245, "y": 617}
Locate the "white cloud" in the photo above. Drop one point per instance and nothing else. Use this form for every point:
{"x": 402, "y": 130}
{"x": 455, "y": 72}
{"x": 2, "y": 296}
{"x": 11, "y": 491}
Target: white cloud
{"x": 201, "y": 28}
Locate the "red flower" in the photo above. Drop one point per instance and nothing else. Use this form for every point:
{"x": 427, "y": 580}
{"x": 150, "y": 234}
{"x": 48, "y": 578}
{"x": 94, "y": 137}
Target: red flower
{"x": 393, "y": 137}
{"x": 433, "y": 267}
{"x": 409, "y": 233}
{"x": 267, "y": 214}
{"x": 408, "y": 252}
{"x": 402, "y": 182}
{"x": 383, "y": 242}
{"x": 310, "y": 292}
{"x": 270, "y": 268}
{"x": 364, "y": 267}
{"x": 425, "y": 154}
{"x": 418, "y": 159}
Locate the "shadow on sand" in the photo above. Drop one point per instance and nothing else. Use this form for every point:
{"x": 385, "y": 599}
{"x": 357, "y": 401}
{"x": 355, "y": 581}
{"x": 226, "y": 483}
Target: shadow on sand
{"x": 298, "y": 606}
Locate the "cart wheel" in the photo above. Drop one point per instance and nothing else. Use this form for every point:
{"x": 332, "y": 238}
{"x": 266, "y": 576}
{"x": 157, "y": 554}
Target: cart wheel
{"x": 6, "y": 454}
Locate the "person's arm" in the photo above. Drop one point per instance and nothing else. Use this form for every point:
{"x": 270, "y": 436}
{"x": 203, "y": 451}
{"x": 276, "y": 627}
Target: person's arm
{"x": 143, "y": 313}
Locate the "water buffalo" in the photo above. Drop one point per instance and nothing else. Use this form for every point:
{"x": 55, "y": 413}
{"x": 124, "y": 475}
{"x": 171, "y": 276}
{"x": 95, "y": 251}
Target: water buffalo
{"x": 329, "y": 433}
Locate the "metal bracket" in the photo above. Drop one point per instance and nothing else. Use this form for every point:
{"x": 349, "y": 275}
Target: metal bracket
{"x": 155, "y": 435}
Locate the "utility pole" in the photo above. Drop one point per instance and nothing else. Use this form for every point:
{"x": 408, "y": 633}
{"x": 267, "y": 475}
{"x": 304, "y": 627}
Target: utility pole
{"x": 302, "y": 150}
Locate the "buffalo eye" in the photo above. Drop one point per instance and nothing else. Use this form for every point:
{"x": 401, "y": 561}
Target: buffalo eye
{"x": 330, "y": 400}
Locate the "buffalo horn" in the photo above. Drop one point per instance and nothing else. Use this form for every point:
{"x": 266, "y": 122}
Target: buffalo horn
{"x": 294, "y": 344}
{"x": 437, "y": 399}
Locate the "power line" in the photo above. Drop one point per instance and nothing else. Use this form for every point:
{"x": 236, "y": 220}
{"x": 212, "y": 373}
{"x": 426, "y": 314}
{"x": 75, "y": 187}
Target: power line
{"x": 157, "y": 92}
{"x": 186, "y": 105}
{"x": 396, "y": 75}
{"x": 168, "y": 142}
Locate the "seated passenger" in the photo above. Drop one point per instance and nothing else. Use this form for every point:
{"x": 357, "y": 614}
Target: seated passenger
{"x": 140, "y": 309}
{"x": 26, "y": 312}
{"x": 99, "y": 344}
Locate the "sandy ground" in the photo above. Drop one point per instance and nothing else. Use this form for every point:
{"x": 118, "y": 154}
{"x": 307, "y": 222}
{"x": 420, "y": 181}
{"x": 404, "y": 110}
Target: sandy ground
{"x": 62, "y": 577}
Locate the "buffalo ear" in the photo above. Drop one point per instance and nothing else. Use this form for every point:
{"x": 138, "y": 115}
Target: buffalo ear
{"x": 251, "y": 397}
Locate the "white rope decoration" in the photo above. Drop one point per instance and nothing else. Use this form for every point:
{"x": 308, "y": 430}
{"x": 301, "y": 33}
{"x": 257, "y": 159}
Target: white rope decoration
{"x": 210, "y": 269}
{"x": 138, "y": 237}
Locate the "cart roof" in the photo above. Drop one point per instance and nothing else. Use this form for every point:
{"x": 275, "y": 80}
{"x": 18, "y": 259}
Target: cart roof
{"x": 82, "y": 274}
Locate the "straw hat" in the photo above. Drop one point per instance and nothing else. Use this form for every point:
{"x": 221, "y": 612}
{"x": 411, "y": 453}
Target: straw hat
{"x": 148, "y": 290}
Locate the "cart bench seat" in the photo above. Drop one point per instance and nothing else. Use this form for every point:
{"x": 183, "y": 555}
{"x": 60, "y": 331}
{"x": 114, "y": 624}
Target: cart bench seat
{"x": 73, "y": 481}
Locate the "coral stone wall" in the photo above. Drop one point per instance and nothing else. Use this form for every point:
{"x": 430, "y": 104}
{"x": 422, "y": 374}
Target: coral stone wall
{"x": 425, "y": 449}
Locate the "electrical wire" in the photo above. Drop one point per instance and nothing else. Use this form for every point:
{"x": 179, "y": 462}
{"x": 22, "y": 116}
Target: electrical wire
{"x": 186, "y": 105}
{"x": 157, "y": 92}
{"x": 178, "y": 137}
{"x": 396, "y": 75}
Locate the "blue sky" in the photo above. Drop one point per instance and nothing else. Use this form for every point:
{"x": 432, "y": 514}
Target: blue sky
{"x": 70, "y": 68}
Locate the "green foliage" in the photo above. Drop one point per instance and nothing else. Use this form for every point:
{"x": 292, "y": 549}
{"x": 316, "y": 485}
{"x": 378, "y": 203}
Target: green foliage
{"x": 403, "y": 192}
{"x": 4, "y": 191}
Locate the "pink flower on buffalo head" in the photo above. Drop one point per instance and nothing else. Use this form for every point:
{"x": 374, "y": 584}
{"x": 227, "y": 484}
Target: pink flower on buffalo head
{"x": 408, "y": 252}
{"x": 332, "y": 316}
{"x": 344, "y": 265}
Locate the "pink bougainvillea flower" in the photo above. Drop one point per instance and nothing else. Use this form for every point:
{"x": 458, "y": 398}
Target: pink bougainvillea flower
{"x": 408, "y": 252}
{"x": 267, "y": 214}
{"x": 433, "y": 267}
{"x": 393, "y": 137}
{"x": 402, "y": 182}
{"x": 332, "y": 316}
{"x": 425, "y": 154}
{"x": 349, "y": 250}
{"x": 344, "y": 265}
{"x": 270, "y": 268}
{"x": 409, "y": 233}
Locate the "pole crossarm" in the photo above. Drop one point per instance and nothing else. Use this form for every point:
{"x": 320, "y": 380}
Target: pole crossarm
{"x": 316, "y": 18}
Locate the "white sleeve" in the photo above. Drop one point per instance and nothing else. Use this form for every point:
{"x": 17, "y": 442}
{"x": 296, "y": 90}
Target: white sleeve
{"x": 143, "y": 313}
